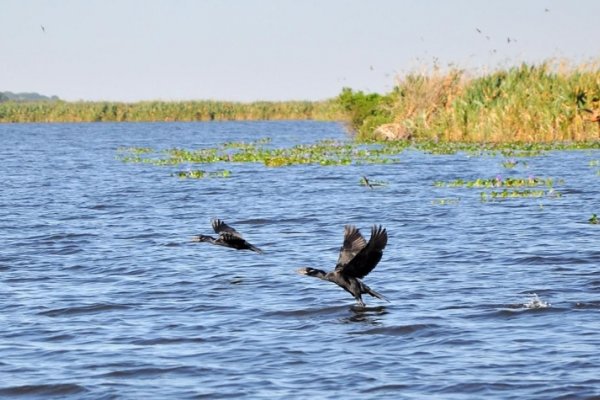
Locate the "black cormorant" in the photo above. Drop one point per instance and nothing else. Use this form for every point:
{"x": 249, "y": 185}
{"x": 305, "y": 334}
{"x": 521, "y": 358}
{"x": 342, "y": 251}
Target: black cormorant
{"x": 228, "y": 237}
{"x": 357, "y": 258}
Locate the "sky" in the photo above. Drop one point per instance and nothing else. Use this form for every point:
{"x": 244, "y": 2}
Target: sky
{"x": 248, "y": 50}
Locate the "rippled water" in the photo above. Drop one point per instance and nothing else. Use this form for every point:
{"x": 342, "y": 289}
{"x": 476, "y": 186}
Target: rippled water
{"x": 104, "y": 296}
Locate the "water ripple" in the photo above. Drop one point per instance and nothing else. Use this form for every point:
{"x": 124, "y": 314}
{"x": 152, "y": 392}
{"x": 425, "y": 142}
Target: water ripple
{"x": 402, "y": 330}
{"x": 57, "y": 389}
{"x": 89, "y": 309}
{"x": 145, "y": 372}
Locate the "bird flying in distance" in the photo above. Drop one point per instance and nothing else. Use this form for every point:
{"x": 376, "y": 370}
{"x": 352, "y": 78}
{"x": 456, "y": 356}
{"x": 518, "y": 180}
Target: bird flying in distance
{"x": 228, "y": 237}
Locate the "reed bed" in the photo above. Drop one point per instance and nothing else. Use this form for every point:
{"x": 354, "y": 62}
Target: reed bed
{"x": 549, "y": 102}
{"x": 149, "y": 111}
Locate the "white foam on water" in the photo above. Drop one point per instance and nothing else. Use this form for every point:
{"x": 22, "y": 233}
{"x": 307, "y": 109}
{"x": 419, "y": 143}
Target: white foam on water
{"x": 535, "y": 302}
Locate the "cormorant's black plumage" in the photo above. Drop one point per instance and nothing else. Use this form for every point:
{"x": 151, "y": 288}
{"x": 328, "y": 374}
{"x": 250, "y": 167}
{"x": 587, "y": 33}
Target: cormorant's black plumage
{"x": 228, "y": 237}
{"x": 357, "y": 258}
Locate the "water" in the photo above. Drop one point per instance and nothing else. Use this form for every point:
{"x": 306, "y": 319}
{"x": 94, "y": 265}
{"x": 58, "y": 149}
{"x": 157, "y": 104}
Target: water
{"x": 102, "y": 294}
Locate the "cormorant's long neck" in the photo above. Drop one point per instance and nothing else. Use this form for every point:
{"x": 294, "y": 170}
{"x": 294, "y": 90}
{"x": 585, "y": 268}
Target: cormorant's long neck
{"x": 205, "y": 238}
{"x": 317, "y": 273}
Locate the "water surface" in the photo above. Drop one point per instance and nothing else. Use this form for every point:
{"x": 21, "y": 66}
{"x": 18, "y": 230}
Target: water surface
{"x": 102, "y": 294}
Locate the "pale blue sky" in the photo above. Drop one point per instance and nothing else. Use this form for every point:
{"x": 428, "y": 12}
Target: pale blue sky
{"x": 129, "y": 50}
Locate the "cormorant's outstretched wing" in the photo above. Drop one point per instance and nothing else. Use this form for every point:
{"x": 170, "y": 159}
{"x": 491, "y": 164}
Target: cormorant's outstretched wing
{"x": 221, "y": 227}
{"x": 234, "y": 240}
{"x": 354, "y": 242}
{"x": 369, "y": 256}
{"x": 237, "y": 242}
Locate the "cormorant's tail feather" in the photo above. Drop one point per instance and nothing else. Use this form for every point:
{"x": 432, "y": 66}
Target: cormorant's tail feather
{"x": 256, "y": 249}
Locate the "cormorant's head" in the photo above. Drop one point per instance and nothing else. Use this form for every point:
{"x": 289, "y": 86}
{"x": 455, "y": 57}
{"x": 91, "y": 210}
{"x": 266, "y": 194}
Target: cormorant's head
{"x": 200, "y": 238}
{"x": 309, "y": 271}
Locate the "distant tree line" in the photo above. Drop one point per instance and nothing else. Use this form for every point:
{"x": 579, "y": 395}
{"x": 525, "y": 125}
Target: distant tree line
{"x": 31, "y": 96}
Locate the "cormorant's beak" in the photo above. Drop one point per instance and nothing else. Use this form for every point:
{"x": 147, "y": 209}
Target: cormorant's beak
{"x": 302, "y": 271}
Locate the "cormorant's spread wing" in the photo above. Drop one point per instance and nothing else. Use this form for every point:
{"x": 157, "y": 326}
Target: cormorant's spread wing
{"x": 233, "y": 239}
{"x": 221, "y": 228}
{"x": 354, "y": 242}
{"x": 369, "y": 256}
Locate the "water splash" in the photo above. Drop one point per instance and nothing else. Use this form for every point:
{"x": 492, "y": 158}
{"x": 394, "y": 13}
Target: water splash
{"x": 535, "y": 302}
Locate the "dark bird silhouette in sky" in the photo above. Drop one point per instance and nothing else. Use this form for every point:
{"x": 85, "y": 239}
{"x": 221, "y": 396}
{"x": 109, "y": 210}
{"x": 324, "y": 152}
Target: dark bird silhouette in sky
{"x": 228, "y": 237}
{"x": 357, "y": 258}
{"x": 43, "y": 28}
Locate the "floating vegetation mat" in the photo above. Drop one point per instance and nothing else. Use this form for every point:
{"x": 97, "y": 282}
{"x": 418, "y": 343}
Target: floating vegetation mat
{"x": 330, "y": 152}
{"x": 325, "y": 152}
{"x": 201, "y": 174}
{"x": 511, "y": 187}
{"x": 451, "y": 201}
{"x": 513, "y": 194}
{"x": 334, "y": 152}
{"x": 509, "y": 150}
{"x": 498, "y": 181}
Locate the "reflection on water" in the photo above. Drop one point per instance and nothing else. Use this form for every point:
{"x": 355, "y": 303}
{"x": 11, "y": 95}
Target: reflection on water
{"x": 104, "y": 296}
{"x": 366, "y": 315}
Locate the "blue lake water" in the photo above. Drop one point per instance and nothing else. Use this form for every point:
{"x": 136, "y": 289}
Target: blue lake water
{"x": 103, "y": 295}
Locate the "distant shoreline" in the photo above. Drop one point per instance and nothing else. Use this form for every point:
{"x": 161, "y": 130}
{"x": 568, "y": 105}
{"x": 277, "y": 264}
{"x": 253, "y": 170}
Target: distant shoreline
{"x": 545, "y": 103}
{"x": 163, "y": 111}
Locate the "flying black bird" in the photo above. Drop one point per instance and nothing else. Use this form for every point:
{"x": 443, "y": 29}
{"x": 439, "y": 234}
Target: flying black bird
{"x": 228, "y": 237}
{"x": 357, "y": 258}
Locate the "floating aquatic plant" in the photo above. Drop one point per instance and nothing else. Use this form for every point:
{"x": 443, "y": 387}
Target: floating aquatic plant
{"x": 513, "y": 194}
{"x": 330, "y": 152}
{"x": 593, "y": 219}
{"x": 498, "y": 181}
{"x": 513, "y": 163}
{"x": 595, "y": 164}
{"x": 201, "y": 174}
{"x": 325, "y": 152}
{"x": 446, "y": 201}
{"x": 135, "y": 150}
{"x": 246, "y": 145}
{"x": 511, "y": 187}
{"x": 508, "y": 150}
{"x": 509, "y": 164}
